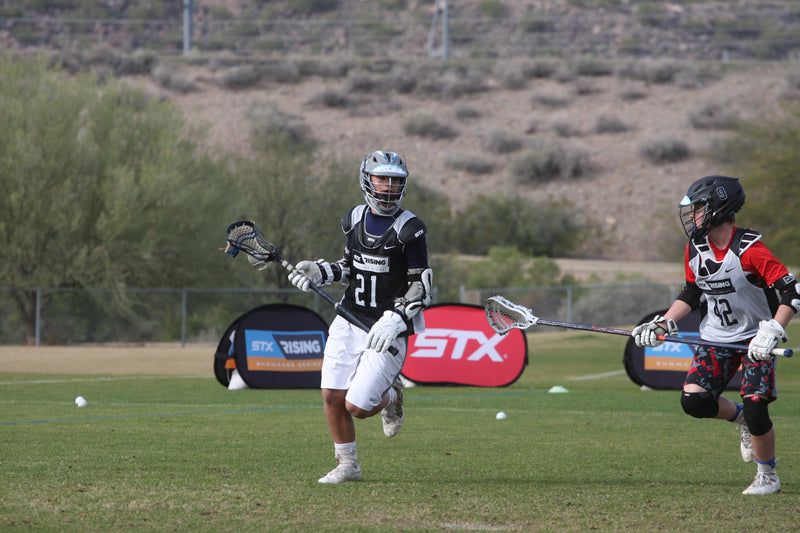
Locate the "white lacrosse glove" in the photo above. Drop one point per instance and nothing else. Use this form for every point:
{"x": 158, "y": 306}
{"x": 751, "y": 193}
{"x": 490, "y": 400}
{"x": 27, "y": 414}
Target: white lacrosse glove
{"x": 647, "y": 334}
{"x": 385, "y": 330}
{"x": 770, "y": 333}
{"x": 307, "y": 272}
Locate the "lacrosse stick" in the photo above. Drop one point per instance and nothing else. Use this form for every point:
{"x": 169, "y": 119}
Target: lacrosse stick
{"x": 243, "y": 236}
{"x": 504, "y": 315}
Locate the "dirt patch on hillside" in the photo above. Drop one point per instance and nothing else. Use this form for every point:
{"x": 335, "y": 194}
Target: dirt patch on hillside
{"x": 632, "y": 200}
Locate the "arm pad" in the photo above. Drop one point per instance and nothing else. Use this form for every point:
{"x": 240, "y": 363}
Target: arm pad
{"x": 789, "y": 291}
{"x": 690, "y": 295}
{"x": 418, "y": 295}
{"x": 341, "y": 269}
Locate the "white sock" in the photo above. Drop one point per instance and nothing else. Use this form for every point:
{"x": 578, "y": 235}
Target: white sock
{"x": 766, "y": 466}
{"x": 392, "y": 396}
{"x": 347, "y": 449}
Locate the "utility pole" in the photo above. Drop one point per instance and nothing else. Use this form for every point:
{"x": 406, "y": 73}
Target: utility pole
{"x": 187, "y": 26}
{"x": 439, "y": 10}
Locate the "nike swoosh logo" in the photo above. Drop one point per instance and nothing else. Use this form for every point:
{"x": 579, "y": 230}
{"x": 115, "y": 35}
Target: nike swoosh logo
{"x": 389, "y": 247}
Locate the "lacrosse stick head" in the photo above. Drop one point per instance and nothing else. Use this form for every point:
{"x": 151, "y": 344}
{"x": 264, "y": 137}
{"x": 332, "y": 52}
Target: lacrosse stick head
{"x": 504, "y": 315}
{"x": 243, "y": 236}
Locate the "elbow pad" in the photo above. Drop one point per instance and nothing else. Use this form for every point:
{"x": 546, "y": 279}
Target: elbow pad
{"x": 789, "y": 291}
{"x": 418, "y": 295}
{"x": 690, "y": 295}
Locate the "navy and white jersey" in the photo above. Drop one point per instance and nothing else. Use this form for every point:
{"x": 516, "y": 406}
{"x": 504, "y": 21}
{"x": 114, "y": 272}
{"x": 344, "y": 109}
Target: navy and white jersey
{"x": 735, "y": 282}
{"x": 379, "y": 262}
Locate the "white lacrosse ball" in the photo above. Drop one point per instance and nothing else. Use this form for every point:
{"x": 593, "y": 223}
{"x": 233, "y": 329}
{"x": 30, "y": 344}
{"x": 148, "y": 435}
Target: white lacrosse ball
{"x": 501, "y": 416}
{"x": 80, "y": 401}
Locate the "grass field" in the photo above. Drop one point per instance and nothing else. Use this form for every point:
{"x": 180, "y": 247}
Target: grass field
{"x": 160, "y": 452}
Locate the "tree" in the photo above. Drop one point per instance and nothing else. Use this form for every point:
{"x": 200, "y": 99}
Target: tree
{"x": 550, "y": 229}
{"x": 765, "y": 155}
{"x": 103, "y": 188}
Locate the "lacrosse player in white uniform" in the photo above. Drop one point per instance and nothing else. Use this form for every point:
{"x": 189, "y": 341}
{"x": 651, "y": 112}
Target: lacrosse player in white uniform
{"x": 385, "y": 268}
{"x": 748, "y": 296}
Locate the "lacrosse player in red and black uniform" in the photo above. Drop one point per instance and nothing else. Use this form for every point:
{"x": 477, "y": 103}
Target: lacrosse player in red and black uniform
{"x": 749, "y": 296}
{"x": 385, "y": 268}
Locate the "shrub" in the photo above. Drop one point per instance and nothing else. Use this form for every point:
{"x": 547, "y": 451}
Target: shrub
{"x": 501, "y": 142}
{"x": 531, "y": 23}
{"x": 510, "y": 76}
{"x": 466, "y": 113}
{"x": 537, "y": 228}
{"x": 281, "y": 72}
{"x": 311, "y": 7}
{"x": 362, "y": 81}
{"x": 564, "y": 128}
{"x": 542, "y": 68}
{"x": 492, "y": 8}
{"x": 469, "y": 163}
{"x": 170, "y": 79}
{"x": 585, "y": 87}
{"x": 550, "y": 99}
{"x": 240, "y": 77}
{"x": 331, "y": 99}
{"x": 650, "y": 71}
{"x": 426, "y": 125}
{"x": 632, "y": 92}
{"x": 548, "y": 161}
{"x": 270, "y": 127}
{"x": 665, "y": 150}
{"x": 590, "y": 66}
{"x": 609, "y": 124}
{"x": 713, "y": 115}
{"x": 792, "y": 88}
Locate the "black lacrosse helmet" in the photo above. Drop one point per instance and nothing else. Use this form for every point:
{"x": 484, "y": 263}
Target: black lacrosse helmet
{"x": 718, "y": 196}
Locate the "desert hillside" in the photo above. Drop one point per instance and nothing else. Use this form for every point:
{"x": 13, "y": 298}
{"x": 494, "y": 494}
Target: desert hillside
{"x": 621, "y": 77}
{"x": 632, "y": 199}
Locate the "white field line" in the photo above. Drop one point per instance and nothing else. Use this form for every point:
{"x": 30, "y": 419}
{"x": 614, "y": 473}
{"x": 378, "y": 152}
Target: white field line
{"x": 90, "y": 380}
{"x": 598, "y": 376}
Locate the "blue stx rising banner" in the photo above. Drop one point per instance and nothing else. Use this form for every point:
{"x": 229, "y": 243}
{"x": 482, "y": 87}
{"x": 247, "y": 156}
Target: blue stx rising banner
{"x": 286, "y": 351}
{"x": 276, "y": 346}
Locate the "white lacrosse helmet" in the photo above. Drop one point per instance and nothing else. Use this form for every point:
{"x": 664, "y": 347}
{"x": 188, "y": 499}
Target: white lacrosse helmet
{"x": 387, "y": 164}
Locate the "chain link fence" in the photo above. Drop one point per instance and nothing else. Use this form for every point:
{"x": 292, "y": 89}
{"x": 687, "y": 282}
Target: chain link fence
{"x": 201, "y": 315}
{"x": 767, "y": 33}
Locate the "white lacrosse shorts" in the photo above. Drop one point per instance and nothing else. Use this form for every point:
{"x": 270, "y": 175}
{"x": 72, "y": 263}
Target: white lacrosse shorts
{"x": 365, "y": 374}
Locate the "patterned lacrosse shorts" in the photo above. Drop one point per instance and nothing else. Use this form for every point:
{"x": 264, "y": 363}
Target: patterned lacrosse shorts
{"x": 713, "y": 369}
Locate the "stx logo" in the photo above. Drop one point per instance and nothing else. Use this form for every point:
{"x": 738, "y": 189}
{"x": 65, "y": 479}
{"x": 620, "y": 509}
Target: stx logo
{"x": 285, "y": 344}
{"x": 668, "y": 347}
{"x": 262, "y": 346}
{"x": 433, "y": 344}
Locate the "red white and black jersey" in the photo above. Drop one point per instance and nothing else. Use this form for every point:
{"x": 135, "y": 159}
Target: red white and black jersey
{"x": 736, "y": 283}
{"x": 379, "y": 264}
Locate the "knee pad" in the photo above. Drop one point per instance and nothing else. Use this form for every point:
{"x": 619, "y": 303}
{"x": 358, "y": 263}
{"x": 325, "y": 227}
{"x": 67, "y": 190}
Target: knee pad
{"x": 699, "y": 404}
{"x": 756, "y": 414}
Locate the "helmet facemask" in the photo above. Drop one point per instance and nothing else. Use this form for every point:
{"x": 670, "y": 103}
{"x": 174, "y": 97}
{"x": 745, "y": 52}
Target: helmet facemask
{"x": 384, "y": 198}
{"x": 688, "y": 215}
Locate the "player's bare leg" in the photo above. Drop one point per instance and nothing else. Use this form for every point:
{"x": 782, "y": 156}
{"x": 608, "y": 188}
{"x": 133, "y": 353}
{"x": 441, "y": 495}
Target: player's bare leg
{"x": 766, "y": 480}
{"x": 342, "y": 428}
{"x": 732, "y": 412}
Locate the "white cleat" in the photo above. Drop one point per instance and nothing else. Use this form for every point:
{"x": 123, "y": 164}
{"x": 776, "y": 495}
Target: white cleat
{"x": 764, "y": 483}
{"x": 348, "y": 470}
{"x": 392, "y": 414}
{"x": 746, "y": 445}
